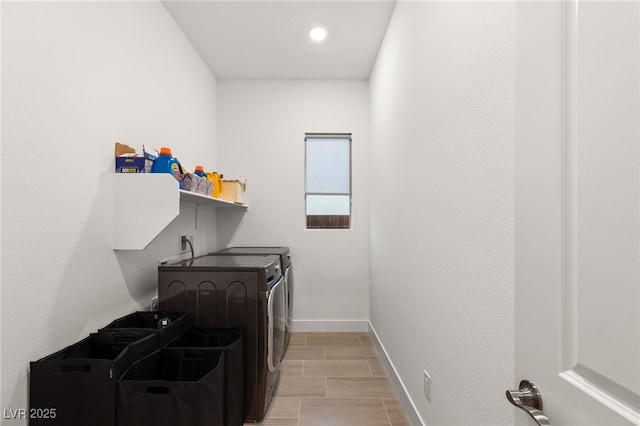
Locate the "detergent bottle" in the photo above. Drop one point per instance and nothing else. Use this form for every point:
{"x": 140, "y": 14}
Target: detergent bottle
{"x": 217, "y": 191}
{"x": 200, "y": 172}
{"x": 165, "y": 163}
{"x": 215, "y": 179}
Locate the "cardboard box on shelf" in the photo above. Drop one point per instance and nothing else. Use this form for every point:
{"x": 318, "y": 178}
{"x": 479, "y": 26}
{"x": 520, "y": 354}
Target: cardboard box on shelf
{"x": 234, "y": 190}
{"x": 128, "y": 161}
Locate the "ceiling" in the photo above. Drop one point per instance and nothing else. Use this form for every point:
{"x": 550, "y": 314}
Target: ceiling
{"x": 268, "y": 40}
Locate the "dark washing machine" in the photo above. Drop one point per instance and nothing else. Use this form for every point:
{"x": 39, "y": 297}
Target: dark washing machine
{"x": 224, "y": 291}
{"x": 287, "y": 267}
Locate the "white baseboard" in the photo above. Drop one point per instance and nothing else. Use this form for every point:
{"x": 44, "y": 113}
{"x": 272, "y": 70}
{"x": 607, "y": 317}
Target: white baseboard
{"x": 330, "y": 326}
{"x": 403, "y": 395}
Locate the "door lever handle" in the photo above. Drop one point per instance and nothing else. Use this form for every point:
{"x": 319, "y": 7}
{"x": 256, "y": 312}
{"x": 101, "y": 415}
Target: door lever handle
{"x": 528, "y": 398}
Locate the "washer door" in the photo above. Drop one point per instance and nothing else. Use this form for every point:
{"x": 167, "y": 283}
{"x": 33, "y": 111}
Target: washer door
{"x": 277, "y": 321}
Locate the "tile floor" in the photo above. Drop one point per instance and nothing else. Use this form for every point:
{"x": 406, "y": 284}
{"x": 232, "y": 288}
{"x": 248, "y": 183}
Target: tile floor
{"x": 334, "y": 379}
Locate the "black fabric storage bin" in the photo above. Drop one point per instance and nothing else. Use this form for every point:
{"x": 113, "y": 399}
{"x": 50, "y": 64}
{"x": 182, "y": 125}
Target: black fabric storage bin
{"x": 173, "y": 387}
{"x": 168, "y": 324}
{"x": 79, "y": 382}
{"x": 231, "y": 340}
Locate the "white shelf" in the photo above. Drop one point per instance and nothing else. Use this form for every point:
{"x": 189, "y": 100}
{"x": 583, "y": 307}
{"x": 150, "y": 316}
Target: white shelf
{"x": 203, "y": 200}
{"x": 145, "y": 203}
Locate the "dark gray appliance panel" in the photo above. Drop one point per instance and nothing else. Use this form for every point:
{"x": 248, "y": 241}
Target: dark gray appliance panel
{"x": 218, "y": 299}
{"x": 287, "y": 269}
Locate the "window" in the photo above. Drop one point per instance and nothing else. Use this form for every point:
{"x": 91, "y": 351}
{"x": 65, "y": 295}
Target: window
{"x": 328, "y": 181}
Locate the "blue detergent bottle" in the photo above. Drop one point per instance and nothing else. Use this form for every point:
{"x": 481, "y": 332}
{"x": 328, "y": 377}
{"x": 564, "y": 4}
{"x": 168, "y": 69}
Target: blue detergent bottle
{"x": 200, "y": 172}
{"x": 165, "y": 163}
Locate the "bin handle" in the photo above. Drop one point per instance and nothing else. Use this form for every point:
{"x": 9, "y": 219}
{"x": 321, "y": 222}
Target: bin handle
{"x": 124, "y": 339}
{"x": 158, "y": 390}
{"x": 75, "y": 368}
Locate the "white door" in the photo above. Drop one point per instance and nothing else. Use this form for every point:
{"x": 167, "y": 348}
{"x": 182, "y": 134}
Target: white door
{"x": 577, "y": 209}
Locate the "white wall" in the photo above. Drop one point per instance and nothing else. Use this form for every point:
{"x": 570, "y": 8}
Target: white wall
{"x": 442, "y": 266}
{"x": 76, "y": 77}
{"x": 262, "y": 125}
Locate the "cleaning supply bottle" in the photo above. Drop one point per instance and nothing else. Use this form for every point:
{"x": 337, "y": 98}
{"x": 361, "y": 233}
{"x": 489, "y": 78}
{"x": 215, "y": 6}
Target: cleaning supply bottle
{"x": 200, "y": 172}
{"x": 165, "y": 163}
{"x": 217, "y": 191}
{"x": 215, "y": 179}
{"x": 212, "y": 179}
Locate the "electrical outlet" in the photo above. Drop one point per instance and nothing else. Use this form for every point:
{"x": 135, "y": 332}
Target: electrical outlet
{"x": 167, "y": 260}
{"x": 427, "y": 386}
{"x": 186, "y": 242}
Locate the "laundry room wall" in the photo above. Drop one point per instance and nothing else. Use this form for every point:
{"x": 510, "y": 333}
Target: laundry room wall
{"x": 76, "y": 77}
{"x": 262, "y": 125}
{"x": 442, "y": 237}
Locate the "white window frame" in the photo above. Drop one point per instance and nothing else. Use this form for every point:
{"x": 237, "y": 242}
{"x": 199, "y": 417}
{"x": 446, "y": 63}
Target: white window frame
{"x": 349, "y": 137}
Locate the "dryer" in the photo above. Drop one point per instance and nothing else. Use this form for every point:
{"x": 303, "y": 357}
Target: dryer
{"x": 235, "y": 291}
{"x": 287, "y": 268}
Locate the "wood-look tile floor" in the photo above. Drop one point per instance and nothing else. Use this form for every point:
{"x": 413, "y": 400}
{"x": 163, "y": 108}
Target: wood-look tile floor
{"x": 334, "y": 379}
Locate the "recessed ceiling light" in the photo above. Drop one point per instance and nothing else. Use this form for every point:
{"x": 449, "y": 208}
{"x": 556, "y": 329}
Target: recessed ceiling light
{"x": 318, "y": 34}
